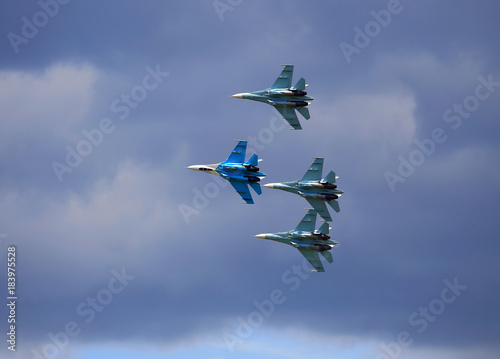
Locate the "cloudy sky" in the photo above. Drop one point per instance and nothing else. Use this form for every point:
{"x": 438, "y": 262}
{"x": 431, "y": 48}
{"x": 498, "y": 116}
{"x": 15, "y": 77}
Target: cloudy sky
{"x": 124, "y": 253}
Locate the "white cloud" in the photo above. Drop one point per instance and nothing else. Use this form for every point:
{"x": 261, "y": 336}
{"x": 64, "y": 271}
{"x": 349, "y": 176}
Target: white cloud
{"x": 107, "y": 227}
{"x": 375, "y": 125}
{"x": 447, "y": 353}
{"x": 426, "y": 69}
{"x": 53, "y": 100}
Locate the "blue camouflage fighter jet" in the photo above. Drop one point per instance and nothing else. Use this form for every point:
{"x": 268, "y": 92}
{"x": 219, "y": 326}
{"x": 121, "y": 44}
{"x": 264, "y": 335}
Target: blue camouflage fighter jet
{"x": 285, "y": 98}
{"x": 237, "y": 171}
{"x": 314, "y": 189}
{"x": 308, "y": 241}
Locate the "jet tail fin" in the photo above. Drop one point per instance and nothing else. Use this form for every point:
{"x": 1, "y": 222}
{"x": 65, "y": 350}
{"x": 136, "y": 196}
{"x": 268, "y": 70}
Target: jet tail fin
{"x": 300, "y": 85}
{"x": 256, "y": 187}
{"x": 328, "y": 256}
{"x": 304, "y": 111}
{"x": 335, "y": 205}
{"x": 331, "y": 177}
{"x": 253, "y": 161}
{"x": 324, "y": 229}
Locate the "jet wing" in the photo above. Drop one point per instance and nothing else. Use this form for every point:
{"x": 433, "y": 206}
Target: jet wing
{"x": 242, "y": 189}
{"x": 238, "y": 154}
{"x": 313, "y": 258}
{"x": 308, "y": 222}
{"x": 289, "y": 114}
{"x": 320, "y": 207}
{"x": 284, "y": 80}
{"x": 314, "y": 172}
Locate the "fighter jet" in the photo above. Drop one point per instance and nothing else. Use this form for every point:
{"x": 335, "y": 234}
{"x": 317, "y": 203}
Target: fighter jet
{"x": 238, "y": 172}
{"x": 307, "y": 240}
{"x": 285, "y": 98}
{"x": 314, "y": 189}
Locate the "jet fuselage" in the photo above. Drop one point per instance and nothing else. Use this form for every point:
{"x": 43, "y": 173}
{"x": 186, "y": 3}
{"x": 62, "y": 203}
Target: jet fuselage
{"x": 317, "y": 241}
{"x": 314, "y": 189}
{"x": 286, "y": 97}
{"x": 235, "y": 171}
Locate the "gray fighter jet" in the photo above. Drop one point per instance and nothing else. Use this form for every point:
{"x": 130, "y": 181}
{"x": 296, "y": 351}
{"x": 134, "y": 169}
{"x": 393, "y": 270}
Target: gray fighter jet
{"x": 307, "y": 240}
{"x": 314, "y": 189}
{"x": 283, "y": 97}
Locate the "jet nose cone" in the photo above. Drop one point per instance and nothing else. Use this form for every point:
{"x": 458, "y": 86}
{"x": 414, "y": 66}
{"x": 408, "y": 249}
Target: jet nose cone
{"x": 194, "y": 167}
{"x": 261, "y": 236}
{"x": 238, "y": 95}
{"x": 269, "y": 185}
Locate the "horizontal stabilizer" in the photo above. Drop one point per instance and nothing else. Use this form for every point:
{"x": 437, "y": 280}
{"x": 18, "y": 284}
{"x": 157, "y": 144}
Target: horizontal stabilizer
{"x": 256, "y": 187}
{"x": 304, "y": 111}
{"x": 328, "y": 256}
{"x": 335, "y": 205}
{"x": 324, "y": 229}
{"x": 301, "y": 84}
{"x": 331, "y": 177}
{"x": 253, "y": 161}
